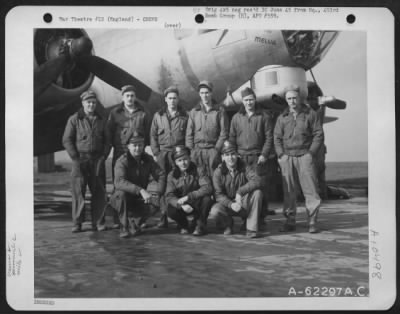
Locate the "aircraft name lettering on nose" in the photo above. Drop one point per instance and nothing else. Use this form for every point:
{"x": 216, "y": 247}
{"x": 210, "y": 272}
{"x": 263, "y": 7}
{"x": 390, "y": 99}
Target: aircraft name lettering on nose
{"x": 264, "y": 41}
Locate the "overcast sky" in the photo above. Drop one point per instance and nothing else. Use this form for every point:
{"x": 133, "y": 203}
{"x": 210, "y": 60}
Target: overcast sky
{"x": 343, "y": 74}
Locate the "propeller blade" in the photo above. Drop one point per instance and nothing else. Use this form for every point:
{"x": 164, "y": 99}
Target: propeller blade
{"x": 113, "y": 75}
{"x": 48, "y": 72}
{"x": 330, "y": 119}
{"x": 335, "y": 104}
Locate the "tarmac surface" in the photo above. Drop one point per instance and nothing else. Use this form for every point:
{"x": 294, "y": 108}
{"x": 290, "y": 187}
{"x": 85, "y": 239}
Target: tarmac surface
{"x": 163, "y": 263}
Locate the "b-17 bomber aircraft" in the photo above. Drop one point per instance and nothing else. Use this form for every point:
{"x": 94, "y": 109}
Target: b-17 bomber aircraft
{"x": 70, "y": 61}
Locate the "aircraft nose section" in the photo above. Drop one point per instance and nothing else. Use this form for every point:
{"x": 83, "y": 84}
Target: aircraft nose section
{"x": 307, "y": 48}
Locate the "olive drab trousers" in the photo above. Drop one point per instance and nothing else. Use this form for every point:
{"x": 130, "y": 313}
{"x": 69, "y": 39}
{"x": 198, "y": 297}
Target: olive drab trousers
{"x": 201, "y": 209}
{"x": 251, "y": 209}
{"x": 165, "y": 161}
{"x": 261, "y": 170}
{"x": 84, "y": 174}
{"x": 208, "y": 158}
{"x": 131, "y": 208}
{"x": 299, "y": 169}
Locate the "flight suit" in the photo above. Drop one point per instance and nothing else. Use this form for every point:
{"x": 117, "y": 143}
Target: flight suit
{"x": 253, "y": 137}
{"x": 167, "y": 132}
{"x": 243, "y": 181}
{"x": 88, "y": 146}
{"x": 120, "y": 126}
{"x": 205, "y": 134}
{"x": 131, "y": 177}
{"x": 297, "y": 140}
{"x": 197, "y": 186}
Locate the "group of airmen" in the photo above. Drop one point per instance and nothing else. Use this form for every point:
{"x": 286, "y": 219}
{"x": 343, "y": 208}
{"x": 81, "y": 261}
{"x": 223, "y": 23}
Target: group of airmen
{"x": 202, "y": 165}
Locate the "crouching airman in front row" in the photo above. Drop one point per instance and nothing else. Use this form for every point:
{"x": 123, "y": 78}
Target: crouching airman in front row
{"x": 132, "y": 200}
{"x": 188, "y": 192}
{"x": 237, "y": 192}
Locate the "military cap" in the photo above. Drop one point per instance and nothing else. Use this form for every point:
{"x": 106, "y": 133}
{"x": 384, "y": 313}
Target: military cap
{"x": 293, "y": 88}
{"x": 180, "y": 151}
{"x": 135, "y": 138}
{"x": 247, "y": 91}
{"x": 171, "y": 89}
{"x": 128, "y": 88}
{"x": 206, "y": 84}
{"x": 88, "y": 95}
{"x": 228, "y": 147}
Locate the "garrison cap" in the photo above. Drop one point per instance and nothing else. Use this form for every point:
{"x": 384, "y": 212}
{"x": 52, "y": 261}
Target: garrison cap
{"x": 180, "y": 151}
{"x": 293, "y": 88}
{"x": 88, "y": 95}
{"x": 206, "y": 84}
{"x": 135, "y": 138}
{"x": 247, "y": 91}
{"x": 228, "y": 147}
{"x": 171, "y": 89}
{"x": 128, "y": 88}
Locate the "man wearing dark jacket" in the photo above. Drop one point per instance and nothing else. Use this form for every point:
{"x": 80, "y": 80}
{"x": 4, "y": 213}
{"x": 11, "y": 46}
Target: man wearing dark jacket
{"x": 124, "y": 119}
{"x": 298, "y": 136}
{"x": 207, "y": 129}
{"x": 87, "y": 144}
{"x": 188, "y": 192}
{"x": 251, "y": 130}
{"x": 131, "y": 199}
{"x": 237, "y": 192}
{"x": 167, "y": 131}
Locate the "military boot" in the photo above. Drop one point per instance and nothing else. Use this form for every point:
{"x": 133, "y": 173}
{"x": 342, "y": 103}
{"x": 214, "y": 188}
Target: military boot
{"x": 163, "y": 223}
{"x": 312, "y": 225}
{"x": 133, "y": 228}
{"x": 77, "y": 228}
{"x": 124, "y": 233}
{"x": 200, "y": 229}
{"x": 289, "y": 225}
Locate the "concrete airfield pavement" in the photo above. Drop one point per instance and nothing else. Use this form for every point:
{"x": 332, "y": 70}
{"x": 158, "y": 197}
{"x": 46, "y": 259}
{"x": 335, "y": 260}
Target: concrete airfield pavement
{"x": 163, "y": 263}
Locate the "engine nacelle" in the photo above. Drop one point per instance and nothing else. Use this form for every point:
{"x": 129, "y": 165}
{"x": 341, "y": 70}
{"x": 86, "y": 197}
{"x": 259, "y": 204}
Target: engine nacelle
{"x": 269, "y": 81}
{"x": 73, "y": 80}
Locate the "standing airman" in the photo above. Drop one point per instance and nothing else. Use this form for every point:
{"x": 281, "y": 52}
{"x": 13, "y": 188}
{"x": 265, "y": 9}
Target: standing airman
{"x": 168, "y": 130}
{"x": 86, "y": 142}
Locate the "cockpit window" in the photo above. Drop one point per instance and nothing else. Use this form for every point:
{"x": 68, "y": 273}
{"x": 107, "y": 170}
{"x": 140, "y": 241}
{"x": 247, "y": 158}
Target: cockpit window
{"x": 308, "y": 47}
